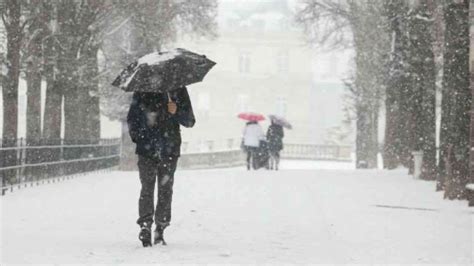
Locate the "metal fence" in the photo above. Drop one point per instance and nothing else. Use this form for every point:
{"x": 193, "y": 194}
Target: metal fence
{"x": 23, "y": 165}
{"x": 236, "y": 157}
{"x": 217, "y": 155}
{"x": 291, "y": 150}
{"x": 317, "y": 152}
{"x": 206, "y": 146}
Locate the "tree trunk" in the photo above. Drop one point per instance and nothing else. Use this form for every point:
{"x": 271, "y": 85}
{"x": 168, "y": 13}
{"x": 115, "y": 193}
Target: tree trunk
{"x": 366, "y": 137}
{"x": 396, "y": 147}
{"x": 73, "y": 111}
{"x": 10, "y": 86}
{"x": 33, "y": 107}
{"x": 368, "y": 84}
{"x": 52, "y": 109}
{"x": 69, "y": 36}
{"x": 54, "y": 98}
{"x": 390, "y": 150}
{"x": 423, "y": 75}
{"x": 438, "y": 37}
{"x": 91, "y": 86}
{"x": 471, "y": 51}
{"x": 93, "y": 117}
{"x": 33, "y": 83}
{"x": 457, "y": 100}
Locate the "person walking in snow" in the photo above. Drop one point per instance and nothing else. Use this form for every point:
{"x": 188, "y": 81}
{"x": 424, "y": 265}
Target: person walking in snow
{"x": 252, "y": 135}
{"x": 154, "y": 121}
{"x": 275, "y": 136}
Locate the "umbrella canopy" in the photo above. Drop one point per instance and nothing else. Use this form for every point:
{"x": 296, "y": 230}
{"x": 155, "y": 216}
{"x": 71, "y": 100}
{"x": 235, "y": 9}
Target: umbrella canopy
{"x": 280, "y": 121}
{"x": 164, "y": 71}
{"x": 251, "y": 117}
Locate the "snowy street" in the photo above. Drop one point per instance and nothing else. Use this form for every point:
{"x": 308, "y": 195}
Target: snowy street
{"x": 103, "y": 103}
{"x": 234, "y": 216}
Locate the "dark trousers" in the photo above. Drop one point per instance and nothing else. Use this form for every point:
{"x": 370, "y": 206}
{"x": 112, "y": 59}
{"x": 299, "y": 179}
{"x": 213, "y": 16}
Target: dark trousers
{"x": 274, "y": 159}
{"x": 152, "y": 170}
{"x": 250, "y": 156}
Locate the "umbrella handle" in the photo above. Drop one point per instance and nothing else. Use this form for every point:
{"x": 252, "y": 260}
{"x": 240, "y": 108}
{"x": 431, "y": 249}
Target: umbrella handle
{"x": 169, "y": 97}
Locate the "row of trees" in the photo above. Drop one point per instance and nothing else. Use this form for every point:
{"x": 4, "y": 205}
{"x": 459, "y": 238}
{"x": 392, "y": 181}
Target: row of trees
{"x": 409, "y": 55}
{"x": 66, "y": 44}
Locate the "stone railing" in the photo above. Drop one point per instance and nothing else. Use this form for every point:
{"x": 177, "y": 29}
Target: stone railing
{"x": 317, "y": 152}
{"x": 217, "y": 159}
{"x": 235, "y": 157}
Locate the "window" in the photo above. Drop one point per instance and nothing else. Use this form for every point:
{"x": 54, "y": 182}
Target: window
{"x": 204, "y": 104}
{"x": 244, "y": 62}
{"x": 281, "y": 106}
{"x": 232, "y": 23}
{"x": 331, "y": 70}
{"x": 243, "y": 103}
{"x": 282, "y": 61}
{"x": 259, "y": 25}
{"x": 333, "y": 65}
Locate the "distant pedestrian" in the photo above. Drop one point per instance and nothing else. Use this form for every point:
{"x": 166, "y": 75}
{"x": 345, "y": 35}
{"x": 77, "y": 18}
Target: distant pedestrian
{"x": 275, "y": 136}
{"x": 252, "y": 135}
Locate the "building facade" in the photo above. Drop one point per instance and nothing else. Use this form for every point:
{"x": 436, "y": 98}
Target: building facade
{"x": 263, "y": 65}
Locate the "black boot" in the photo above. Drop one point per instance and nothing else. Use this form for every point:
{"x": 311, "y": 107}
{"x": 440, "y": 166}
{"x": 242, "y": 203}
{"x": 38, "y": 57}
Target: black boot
{"x": 145, "y": 236}
{"x": 159, "y": 237}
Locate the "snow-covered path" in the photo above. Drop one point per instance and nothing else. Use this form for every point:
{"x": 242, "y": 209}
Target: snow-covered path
{"x": 235, "y": 216}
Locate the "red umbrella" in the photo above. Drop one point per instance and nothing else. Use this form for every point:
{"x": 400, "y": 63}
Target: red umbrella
{"x": 251, "y": 116}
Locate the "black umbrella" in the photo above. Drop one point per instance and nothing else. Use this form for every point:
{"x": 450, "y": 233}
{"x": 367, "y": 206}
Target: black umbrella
{"x": 164, "y": 71}
{"x": 280, "y": 121}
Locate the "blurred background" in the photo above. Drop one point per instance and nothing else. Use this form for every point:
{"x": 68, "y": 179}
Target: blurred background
{"x": 379, "y": 80}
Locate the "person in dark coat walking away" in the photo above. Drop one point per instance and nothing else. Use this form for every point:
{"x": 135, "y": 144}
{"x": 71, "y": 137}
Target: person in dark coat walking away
{"x": 275, "y": 136}
{"x": 252, "y": 136}
{"x": 154, "y": 121}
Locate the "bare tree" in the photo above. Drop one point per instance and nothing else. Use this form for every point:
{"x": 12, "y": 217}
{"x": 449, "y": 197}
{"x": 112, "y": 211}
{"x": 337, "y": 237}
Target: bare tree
{"x": 80, "y": 39}
{"x": 361, "y": 25}
{"x": 146, "y": 26}
{"x": 75, "y": 30}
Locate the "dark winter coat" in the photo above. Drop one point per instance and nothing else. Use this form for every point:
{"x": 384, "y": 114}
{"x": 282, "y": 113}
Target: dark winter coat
{"x": 164, "y": 138}
{"x": 275, "y": 136}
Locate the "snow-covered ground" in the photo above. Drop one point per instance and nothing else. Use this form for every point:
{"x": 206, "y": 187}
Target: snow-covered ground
{"x": 311, "y": 215}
